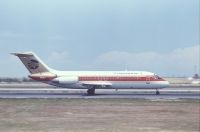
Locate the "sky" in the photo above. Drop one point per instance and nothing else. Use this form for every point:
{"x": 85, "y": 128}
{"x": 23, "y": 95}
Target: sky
{"x": 160, "y": 36}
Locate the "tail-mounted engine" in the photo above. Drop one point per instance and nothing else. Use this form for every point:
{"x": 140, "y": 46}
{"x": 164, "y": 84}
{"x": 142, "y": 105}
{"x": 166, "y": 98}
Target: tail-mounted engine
{"x": 66, "y": 80}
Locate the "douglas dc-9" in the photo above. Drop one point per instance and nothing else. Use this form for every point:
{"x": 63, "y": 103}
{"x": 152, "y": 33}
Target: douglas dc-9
{"x": 90, "y": 80}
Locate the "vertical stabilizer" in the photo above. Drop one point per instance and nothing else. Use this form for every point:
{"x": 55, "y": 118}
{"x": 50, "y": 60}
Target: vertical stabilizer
{"x": 32, "y": 62}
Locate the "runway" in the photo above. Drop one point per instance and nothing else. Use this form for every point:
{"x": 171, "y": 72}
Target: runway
{"x": 166, "y": 94}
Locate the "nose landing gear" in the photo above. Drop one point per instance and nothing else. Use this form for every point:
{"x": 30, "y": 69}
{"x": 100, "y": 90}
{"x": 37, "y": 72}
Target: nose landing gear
{"x": 157, "y": 92}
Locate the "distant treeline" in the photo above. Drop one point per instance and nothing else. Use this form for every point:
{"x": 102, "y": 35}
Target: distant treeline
{"x": 16, "y": 80}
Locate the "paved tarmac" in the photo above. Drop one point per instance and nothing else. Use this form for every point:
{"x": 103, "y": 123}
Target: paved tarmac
{"x": 166, "y": 94}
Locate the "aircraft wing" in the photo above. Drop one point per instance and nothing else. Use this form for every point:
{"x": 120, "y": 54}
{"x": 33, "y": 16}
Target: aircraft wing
{"x": 96, "y": 83}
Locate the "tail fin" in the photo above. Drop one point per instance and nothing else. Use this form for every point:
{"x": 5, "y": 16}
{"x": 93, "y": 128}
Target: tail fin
{"x": 32, "y": 62}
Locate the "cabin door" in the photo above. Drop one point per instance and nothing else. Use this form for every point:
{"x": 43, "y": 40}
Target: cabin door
{"x": 147, "y": 80}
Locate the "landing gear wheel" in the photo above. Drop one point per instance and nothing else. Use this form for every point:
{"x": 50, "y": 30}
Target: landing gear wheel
{"x": 91, "y": 91}
{"x": 157, "y": 92}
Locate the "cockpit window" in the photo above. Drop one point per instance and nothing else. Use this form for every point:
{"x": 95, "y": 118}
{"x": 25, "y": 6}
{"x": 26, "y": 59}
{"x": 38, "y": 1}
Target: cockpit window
{"x": 157, "y": 77}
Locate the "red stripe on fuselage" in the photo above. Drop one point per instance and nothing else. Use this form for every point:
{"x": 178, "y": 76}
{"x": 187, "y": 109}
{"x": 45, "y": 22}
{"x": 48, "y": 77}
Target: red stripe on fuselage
{"x": 118, "y": 78}
{"x": 41, "y": 78}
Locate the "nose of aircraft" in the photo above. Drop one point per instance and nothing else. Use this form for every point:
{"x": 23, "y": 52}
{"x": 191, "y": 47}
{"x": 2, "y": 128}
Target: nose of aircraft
{"x": 165, "y": 84}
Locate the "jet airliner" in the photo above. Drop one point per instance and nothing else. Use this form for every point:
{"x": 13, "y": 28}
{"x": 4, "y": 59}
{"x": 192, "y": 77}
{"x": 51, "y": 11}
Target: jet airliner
{"x": 90, "y": 80}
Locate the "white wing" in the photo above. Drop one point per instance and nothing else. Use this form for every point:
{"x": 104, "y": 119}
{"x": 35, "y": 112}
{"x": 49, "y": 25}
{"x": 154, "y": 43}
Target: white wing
{"x": 96, "y": 83}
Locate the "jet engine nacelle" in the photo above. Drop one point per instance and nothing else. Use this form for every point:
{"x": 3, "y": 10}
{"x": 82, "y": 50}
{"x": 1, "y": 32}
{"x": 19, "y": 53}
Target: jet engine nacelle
{"x": 66, "y": 80}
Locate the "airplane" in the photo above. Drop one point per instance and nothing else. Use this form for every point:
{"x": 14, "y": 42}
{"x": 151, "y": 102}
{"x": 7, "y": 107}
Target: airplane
{"x": 90, "y": 80}
{"x": 195, "y": 79}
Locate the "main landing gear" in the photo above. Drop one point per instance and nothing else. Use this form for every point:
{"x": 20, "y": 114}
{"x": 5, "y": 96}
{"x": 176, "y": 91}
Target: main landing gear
{"x": 157, "y": 92}
{"x": 91, "y": 91}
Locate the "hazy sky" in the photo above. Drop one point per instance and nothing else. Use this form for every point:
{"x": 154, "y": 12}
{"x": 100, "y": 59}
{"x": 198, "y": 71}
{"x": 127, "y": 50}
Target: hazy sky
{"x": 161, "y": 36}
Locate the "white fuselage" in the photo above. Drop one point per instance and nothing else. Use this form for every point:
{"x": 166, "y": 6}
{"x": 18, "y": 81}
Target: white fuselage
{"x": 104, "y": 79}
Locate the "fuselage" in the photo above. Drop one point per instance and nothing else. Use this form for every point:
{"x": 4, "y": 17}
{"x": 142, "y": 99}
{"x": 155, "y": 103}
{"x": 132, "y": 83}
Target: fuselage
{"x": 103, "y": 79}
